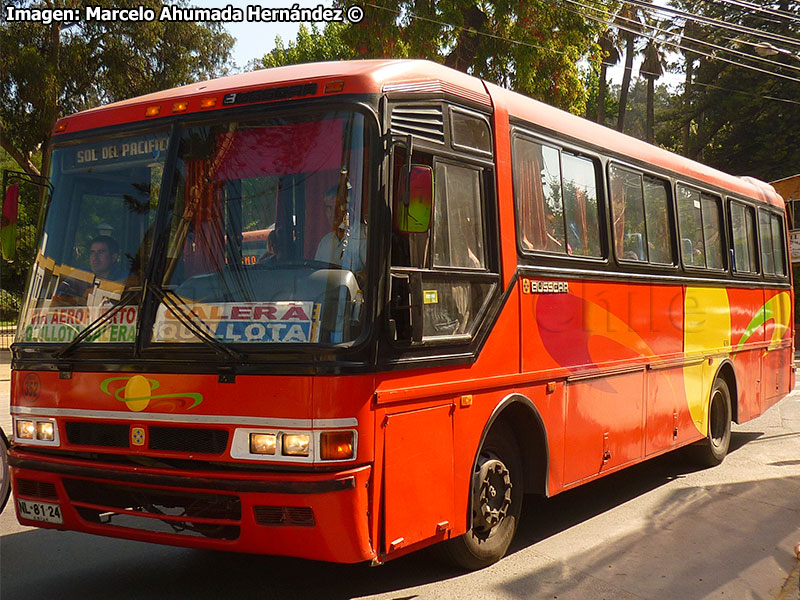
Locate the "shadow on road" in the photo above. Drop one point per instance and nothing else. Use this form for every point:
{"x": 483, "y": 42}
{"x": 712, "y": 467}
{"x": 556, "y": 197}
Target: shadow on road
{"x": 51, "y": 564}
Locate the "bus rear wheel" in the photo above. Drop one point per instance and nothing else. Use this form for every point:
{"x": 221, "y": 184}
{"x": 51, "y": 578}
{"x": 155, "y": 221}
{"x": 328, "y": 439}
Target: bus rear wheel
{"x": 711, "y": 451}
{"x": 496, "y": 503}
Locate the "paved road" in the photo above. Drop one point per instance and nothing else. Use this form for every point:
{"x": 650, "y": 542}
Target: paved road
{"x": 658, "y": 531}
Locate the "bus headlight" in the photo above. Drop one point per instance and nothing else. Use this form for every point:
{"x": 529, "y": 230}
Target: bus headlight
{"x": 26, "y": 430}
{"x": 263, "y": 443}
{"x": 45, "y": 431}
{"x": 295, "y": 444}
{"x": 38, "y": 431}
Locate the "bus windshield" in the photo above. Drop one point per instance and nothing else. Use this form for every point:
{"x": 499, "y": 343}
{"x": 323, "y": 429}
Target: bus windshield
{"x": 96, "y": 240}
{"x": 267, "y": 235}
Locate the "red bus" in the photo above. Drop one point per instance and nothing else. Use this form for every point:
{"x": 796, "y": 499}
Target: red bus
{"x": 472, "y": 296}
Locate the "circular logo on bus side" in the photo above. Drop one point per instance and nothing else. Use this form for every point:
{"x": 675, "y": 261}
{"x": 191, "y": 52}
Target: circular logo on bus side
{"x": 31, "y": 386}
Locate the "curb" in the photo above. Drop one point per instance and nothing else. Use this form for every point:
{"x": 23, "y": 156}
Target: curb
{"x": 791, "y": 589}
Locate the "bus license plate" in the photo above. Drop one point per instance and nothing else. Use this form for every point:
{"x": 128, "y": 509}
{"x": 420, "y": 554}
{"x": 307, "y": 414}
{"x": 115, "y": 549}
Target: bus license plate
{"x": 40, "y": 511}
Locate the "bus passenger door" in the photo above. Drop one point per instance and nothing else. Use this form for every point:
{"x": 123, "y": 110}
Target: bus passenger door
{"x": 418, "y": 478}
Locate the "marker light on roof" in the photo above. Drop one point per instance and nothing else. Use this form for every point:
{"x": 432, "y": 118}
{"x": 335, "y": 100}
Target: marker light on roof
{"x": 208, "y": 103}
{"x": 152, "y": 111}
{"x": 61, "y": 126}
{"x": 333, "y": 87}
{"x": 180, "y": 106}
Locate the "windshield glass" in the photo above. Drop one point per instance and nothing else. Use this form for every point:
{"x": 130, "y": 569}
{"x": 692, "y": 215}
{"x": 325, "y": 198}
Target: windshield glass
{"x": 268, "y": 234}
{"x": 96, "y": 239}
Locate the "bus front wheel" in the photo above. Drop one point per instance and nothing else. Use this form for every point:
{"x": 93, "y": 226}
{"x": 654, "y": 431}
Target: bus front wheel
{"x": 5, "y": 476}
{"x": 496, "y": 503}
{"x": 712, "y": 450}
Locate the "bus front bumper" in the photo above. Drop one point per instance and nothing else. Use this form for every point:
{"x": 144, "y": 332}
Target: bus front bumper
{"x": 319, "y": 516}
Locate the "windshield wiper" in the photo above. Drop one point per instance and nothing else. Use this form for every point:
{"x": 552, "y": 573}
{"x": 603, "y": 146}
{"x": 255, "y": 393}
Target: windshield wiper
{"x": 97, "y": 324}
{"x": 183, "y": 313}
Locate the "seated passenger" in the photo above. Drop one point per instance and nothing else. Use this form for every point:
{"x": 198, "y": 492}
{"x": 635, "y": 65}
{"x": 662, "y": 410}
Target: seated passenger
{"x": 274, "y": 253}
{"x": 345, "y": 244}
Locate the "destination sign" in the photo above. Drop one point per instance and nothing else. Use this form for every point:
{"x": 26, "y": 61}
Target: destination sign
{"x": 282, "y": 322}
{"x": 124, "y": 150}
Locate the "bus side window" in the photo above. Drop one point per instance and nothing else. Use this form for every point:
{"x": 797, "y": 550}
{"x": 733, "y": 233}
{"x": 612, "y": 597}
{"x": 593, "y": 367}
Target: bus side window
{"x": 778, "y": 245}
{"x": 690, "y": 221}
{"x": 743, "y": 238}
{"x": 556, "y": 197}
{"x": 451, "y": 302}
{"x": 657, "y": 218}
{"x": 712, "y": 231}
{"x": 580, "y": 205}
{"x": 627, "y": 203}
{"x": 767, "y": 250}
{"x": 772, "y": 243}
{"x": 458, "y": 224}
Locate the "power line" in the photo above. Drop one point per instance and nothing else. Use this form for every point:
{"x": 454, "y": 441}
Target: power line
{"x": 715, "y": 22}
{"x": 762, "y": 9}
{"x": 528, "y": 44}
{"x": 679, "y": 46}
{"x": 634, "y": 23}
{"x": 743, "y": 93}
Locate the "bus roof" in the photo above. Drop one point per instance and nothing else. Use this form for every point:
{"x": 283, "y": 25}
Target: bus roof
{"x": 589, "y": 132}
{"x": 409, "y": 76}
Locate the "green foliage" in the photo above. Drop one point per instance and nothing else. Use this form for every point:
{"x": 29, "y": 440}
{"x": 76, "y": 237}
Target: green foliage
{"x": 310, "y": 46}
{"x": 532, "y": 47}
{"x": 62, "y": 68}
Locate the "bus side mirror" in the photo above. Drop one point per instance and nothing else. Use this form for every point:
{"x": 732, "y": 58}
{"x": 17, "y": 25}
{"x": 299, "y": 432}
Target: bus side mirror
{"x": 8, "y": 224}
{"x": 414, "y": 200}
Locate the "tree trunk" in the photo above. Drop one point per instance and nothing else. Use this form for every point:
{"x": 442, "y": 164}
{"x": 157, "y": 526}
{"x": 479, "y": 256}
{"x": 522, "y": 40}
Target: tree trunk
{"x": 626, "y": 83}
{"x": 686, "y": 101}
{"x": 650, "y": 133}
{"x": 601, "y": 96}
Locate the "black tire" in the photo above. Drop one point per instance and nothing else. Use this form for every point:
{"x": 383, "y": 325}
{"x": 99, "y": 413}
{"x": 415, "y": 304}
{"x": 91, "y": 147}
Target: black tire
{"x": 497, "y": 477}
{"x": 5, "y": 474}
{"x": 711, "y": 451}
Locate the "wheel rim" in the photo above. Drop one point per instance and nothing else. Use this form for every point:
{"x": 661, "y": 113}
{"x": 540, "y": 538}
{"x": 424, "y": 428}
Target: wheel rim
{"x": 717, "y": 419}
{"x": 492, "y": 495}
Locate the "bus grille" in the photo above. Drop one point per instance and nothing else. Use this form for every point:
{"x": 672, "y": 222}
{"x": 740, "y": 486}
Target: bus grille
{"x": 183, "y": 439}
{"x": 215, "y": 516}
{"x": 36, "y": 489}
{"x": 284, "y": 515}
{"x": 171, "y": 439}
{"x": 98, "y": 434}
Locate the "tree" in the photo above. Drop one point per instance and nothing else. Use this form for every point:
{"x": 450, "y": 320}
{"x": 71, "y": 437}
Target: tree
{"x": 309, "y": 46}
{"x": 652, "y": 68}
{"x": 65, "y": 67}
{"x": 533, "y": 47}
{"x": 739, "y": 120}
{"x": 628, "y": 20}
{"x": 609, "y": 57}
